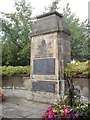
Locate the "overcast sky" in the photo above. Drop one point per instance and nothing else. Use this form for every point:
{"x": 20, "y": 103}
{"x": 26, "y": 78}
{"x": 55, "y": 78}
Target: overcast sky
{"x": 79, "y": 7}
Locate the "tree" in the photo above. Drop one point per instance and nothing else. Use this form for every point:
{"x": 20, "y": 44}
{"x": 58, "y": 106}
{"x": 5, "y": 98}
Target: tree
{"x": 53, "y": 6}
{"x": 79, "y": 39}
{"x": 16, "y": 28}
{"x": 88, "y": 35}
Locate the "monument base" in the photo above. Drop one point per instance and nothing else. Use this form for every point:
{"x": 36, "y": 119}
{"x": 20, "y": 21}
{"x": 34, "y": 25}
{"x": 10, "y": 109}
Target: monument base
{"x": 43, "y": 97}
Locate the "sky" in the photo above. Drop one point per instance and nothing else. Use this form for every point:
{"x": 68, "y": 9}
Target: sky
{"x": 79, "y": 7}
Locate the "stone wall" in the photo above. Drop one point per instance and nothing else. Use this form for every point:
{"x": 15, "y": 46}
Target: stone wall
{"x": 23, "y": 82}
{"x": 81, "y": 84}
{"x": 18, "y": 81}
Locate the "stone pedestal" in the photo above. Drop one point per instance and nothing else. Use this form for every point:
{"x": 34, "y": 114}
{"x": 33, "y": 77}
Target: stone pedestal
{"x": 50, "y": 51}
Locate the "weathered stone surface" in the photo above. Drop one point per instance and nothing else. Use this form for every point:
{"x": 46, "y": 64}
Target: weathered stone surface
{"x": 44, "y": 49}
{"x": 29, "y": 96}
{"x": 16, "y": 107}
{"x": 43, "y": 97}
{"x": 49, "y": 54}
{"x": 81, "y": 84}
{"x": 49, "y": 22}
{"x": 50, "y": 39}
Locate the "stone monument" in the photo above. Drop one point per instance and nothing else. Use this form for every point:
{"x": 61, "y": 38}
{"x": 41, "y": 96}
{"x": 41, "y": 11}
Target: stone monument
{"x": 50, "y": 51}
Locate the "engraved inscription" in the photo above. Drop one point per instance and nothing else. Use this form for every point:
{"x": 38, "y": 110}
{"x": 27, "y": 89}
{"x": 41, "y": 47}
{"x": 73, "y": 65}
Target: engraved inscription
{"x": 44, "y": 50}
{"x": 43, "y": 86}
{"x": 44, "y": 66}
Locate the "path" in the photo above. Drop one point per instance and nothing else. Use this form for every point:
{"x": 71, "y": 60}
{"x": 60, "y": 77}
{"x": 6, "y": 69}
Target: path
{"x": 19, "y": 107}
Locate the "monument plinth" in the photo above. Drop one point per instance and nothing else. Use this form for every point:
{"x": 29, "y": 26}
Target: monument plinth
{"x": 50, "y": 51}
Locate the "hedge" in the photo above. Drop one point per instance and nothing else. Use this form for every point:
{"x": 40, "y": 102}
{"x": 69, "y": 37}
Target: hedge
{"x": 11, "y": 70}
{"x": 78, "y": 69}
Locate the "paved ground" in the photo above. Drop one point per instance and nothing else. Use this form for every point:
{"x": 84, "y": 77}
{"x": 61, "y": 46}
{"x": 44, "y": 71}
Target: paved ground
{"x": 19, "y": 107}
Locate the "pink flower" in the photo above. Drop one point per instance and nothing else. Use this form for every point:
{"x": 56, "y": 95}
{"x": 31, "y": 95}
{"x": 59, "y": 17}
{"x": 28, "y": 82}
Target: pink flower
{"x": 60, "y": 106}
{"x": 66, "y": 109}
{"x": 52, "y": 108}
{"x": 50, "y": 112}
{"x": 50, "y": 116}
{"x": 76, "y": 115}
{"x": 49, "y": 108}
{"x": 61, "y": 111}
{"x": 64, "y": 113}
{"x": 68, "y": 117}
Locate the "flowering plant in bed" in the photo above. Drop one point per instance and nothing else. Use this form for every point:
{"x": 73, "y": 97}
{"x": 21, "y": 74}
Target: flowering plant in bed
{"x": 62, "y": 111}
{"x": 71, "y": 107}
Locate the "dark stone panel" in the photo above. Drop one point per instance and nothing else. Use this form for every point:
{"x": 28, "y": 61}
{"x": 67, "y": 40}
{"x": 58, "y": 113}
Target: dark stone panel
{"x": 43, "y": 86}
{"x": 44, "y": 66}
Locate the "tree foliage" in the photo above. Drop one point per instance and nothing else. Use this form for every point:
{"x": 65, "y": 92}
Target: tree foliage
{"x": 53, "y": 6}
{"x": 15, "y": 35}
{"x": 79, "y": 38}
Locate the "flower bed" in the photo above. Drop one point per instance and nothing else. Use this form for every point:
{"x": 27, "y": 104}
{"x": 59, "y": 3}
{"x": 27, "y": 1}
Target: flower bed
{"x": 60, "y": 111}
{"x": 71, "y": 107}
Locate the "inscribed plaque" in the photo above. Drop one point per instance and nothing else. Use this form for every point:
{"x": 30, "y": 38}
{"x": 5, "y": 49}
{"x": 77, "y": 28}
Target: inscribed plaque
{"x": 43, "y": 86}
{"x": 44, "y": 66}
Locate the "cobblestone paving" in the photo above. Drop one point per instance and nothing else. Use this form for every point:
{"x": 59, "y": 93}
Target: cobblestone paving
{"x": 19, "y": 107}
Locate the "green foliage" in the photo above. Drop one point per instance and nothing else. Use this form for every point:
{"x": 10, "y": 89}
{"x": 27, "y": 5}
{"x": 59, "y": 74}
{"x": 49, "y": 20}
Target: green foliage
{"x": 11, "y": 70}
{"x": 81, "y": 107}
{"x": 79, "y": 38}
{"x": 78, "y": 69}
{"x": 53, "y": 6}
{"x": 16, "y": 41}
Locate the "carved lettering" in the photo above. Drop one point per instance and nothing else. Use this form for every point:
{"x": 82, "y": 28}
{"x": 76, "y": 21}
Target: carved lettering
{"x": 44, "y": 50}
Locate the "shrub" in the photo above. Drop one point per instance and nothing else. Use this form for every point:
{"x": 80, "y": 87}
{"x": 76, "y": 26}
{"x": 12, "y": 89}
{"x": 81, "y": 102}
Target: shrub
{"x": 78, "y": 69}
{"x": 11, "y": 70}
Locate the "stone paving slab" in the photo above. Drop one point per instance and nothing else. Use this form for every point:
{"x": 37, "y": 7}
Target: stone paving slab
{"x": 15, "y": 92}
{"x": 19, "y": 107}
